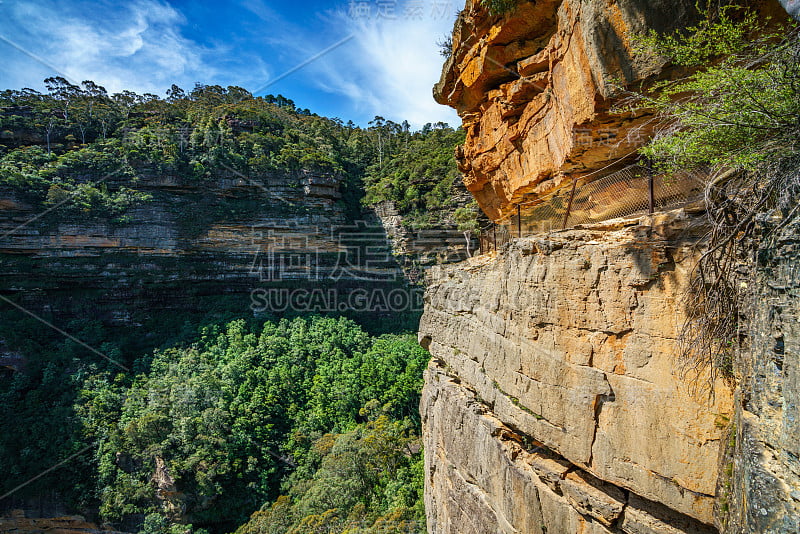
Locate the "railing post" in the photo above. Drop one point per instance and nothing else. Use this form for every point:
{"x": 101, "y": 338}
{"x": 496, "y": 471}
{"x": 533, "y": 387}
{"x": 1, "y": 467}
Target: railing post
{"x": 519, "y": 221}
{"x": 569, "y": 205}
{"x": 494, "y": 236}
{"x": 651, "y": 187}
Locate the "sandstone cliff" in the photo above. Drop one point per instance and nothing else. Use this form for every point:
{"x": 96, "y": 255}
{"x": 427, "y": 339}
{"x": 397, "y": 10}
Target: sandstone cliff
{"x": 759, "y": 489}
{"x": 193, "y": 244}
{"x": 553, "y": 402}
{"x": 420, "y": 248}
{"x": 17, "y": 522}
{"x": 533, "y": 89}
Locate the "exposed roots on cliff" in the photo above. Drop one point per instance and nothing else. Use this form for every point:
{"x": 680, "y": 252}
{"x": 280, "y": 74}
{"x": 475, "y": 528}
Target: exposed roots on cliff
{"x": 746, "y": 211}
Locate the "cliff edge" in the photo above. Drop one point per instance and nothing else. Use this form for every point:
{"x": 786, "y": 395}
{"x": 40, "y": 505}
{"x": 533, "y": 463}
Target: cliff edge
{"x": 555, "y": 401}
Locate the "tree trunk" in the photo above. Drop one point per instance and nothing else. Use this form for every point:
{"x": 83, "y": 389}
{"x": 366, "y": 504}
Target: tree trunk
{"x": 468, "y": 238}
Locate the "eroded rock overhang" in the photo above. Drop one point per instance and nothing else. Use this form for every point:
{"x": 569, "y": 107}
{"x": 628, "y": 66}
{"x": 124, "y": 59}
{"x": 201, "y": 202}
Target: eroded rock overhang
{"x": 536, "y": 91}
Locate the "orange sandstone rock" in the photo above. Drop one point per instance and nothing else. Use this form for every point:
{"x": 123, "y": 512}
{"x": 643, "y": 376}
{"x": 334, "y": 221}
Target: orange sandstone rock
{"x": 534, "y": 89}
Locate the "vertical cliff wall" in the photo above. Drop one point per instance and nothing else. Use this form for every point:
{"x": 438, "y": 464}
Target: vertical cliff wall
{"x": 759, "y": 489}
{"x": 553, "y": 402}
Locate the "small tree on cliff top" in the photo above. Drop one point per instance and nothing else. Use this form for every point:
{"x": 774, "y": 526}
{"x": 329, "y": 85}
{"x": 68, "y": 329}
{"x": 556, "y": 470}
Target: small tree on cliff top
{"x": 740, "y": 105}
{"x": 467, "y": 220}
{"x": 499, "y": 7}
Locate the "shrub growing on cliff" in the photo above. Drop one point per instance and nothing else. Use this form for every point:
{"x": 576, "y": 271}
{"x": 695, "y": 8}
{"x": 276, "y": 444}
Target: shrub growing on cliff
{"x": 445, "y": 45}
{"x": 736, "y": 114}
{"x": 467, "y": 219}
{"x": 499, "y": 7}
{"x": 740, "y": 105}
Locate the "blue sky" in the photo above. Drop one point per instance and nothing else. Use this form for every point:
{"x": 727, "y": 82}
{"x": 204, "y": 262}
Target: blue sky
{"x": 380, "y": 56}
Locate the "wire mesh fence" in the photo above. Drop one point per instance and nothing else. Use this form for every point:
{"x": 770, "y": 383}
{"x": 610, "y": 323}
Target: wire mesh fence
{"x": 493, "y": 236}
{"x": 630, "y": 191}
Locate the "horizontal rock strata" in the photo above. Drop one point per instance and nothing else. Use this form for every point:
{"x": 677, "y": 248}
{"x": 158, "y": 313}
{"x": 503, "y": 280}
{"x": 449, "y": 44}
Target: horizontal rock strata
{"x": 565, "y": 347}
{"x": 190, "y": 244}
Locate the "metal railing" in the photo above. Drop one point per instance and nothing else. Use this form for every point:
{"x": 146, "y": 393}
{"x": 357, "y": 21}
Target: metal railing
{"x": 630, "y": 191}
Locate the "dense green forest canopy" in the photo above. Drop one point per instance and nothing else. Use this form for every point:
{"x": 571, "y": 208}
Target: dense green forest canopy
{"x": 84, "y": 150}
{"x": 246, "y": 414}
{"x": 207, "y": 432}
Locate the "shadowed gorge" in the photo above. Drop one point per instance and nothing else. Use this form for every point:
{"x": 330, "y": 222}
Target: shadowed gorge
{"x": 166, "y": 264}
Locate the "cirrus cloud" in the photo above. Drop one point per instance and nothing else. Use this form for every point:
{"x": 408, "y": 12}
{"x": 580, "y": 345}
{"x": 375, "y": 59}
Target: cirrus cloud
{"x": 136, "y": 46}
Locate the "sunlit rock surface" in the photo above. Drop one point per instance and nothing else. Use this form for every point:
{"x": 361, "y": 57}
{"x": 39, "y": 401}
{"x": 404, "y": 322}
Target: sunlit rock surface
{"x": 563, "y": 350}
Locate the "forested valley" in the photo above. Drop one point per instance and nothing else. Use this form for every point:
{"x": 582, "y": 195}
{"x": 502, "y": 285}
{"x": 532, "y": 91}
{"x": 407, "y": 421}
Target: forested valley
{"x": 196, "y": 421}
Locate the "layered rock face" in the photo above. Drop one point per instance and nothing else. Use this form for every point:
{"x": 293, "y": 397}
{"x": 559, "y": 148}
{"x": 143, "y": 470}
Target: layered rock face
{"x": 554, "y": 402}
{"x": 535, "y": 89}
{"x": 189, "y": 245}
{"x": 184, "y": 216}
{"x": 759, "y": 490}
{"x": 423, "y": 248}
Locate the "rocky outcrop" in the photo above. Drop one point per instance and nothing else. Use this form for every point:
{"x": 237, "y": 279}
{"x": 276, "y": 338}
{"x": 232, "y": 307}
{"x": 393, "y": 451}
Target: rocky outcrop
{"x": 792, "y": 7}
{"x": 554, "y": 401}
{"x": 759, "y": 490}
{"x": 424, "y": 247}
{"x": 534, "y": 89}
{"x": 172, "y": 501}
{"x": 418, "y": 244}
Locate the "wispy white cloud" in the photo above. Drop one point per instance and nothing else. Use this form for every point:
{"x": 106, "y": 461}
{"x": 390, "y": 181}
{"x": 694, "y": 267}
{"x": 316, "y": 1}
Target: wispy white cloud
{"x": 393, "y": 61}
{"x": 387, "y": 68}
{"x": 136, "y": 46}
